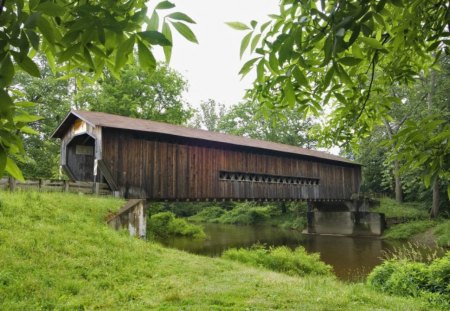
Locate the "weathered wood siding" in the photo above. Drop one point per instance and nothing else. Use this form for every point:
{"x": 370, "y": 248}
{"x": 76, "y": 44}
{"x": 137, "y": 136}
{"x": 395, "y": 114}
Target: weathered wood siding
{"x": 163, "y": 168}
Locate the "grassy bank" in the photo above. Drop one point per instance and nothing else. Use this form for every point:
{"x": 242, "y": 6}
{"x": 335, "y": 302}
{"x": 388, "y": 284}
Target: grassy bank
{"x": 415, "y": 223}
{"x": 57, "y": 253}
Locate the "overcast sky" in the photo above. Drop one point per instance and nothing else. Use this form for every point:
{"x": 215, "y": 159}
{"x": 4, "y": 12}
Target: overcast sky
{"x": 212, "y": 66}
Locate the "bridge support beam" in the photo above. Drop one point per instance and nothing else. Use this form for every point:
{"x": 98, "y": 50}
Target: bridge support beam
{"x": 132, "y": 217}
{"x": 351, "y": 218}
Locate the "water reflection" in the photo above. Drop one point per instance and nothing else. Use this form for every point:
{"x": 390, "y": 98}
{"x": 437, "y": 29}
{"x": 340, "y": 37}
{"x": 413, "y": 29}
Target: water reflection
{"x": 352, "y": 258}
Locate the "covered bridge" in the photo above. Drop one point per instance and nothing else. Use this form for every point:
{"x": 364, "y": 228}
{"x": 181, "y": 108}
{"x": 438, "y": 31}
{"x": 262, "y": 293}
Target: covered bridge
{"x": 159, "y": 161}
{"x": 154, "y": 161}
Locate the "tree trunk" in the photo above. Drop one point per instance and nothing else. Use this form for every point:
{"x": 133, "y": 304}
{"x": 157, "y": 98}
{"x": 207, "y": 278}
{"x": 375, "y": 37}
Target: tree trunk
{"x": 436, "y": 199}
{"x": 398, "y": 182}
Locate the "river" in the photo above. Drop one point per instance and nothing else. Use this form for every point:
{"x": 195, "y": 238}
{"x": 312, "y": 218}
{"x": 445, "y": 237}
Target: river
{"x": 352, "y": 258}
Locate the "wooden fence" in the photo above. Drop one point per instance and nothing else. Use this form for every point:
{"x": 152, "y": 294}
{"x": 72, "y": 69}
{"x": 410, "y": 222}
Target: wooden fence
{"x": 55, "y": 185}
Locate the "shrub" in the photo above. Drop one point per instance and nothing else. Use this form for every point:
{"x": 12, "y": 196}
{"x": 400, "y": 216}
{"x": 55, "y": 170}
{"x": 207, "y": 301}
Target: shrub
{"x": 281, "y": 259}
{"x": 165, "y": 224}
{"x": 408, "y": 278}
{"x": 209, "y": 214}
{"x": 245, "y": 214}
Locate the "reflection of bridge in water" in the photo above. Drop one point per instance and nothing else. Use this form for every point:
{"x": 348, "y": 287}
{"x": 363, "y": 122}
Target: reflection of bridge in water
{"x": 157, "y": 162}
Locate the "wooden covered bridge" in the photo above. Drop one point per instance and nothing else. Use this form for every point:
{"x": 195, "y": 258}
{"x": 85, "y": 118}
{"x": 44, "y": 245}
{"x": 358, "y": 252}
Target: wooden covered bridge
{"x": 157, "y": 162}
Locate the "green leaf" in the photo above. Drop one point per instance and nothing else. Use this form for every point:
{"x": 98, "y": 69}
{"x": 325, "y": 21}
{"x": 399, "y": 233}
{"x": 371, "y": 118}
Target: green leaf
{"x": 260, "y": 71}
{"x": 238, "y": 25}
{"x": 155, "y": 38}
{"x": 168, "y": 34}
{"x": 69, "y": 53}
{"x": 300, "y": 77}
{"x": 3, "y": 158}
{"x": 13, "y": 170}
{"x": 29, "y": 66}
{"x": 373, "y": 43}
{"x": 28, "y": 130}
{"x": 273, "y": 62}
{"x": 6, "y": 72}
{"x": 46, "y": 29}
{"x": 448, "y": 191}
{"x": 245, "y": 42}
{"x": 289, "y": 93}
{"x": 255, "y": 41}
{"x": 25, "y": 104}
{"x": 51, "y": 9}
{"x": 344, "y": 76}
{"x": 165, "y": 5}
{"x": 185, "y": 31}
{"x": 153, "y": 23}
{"x": 6, "y": 104}
{"x": 181, "y": 17}
{"x": 248, "y": 66}
{"x": 26, "y": 118}
{"x": 33, "y": 38}
{"x": 350, "y": 61}
{"x": 328, "y": 77}
{"x": 124, "y": 50}
{"x": 146, "y": 58}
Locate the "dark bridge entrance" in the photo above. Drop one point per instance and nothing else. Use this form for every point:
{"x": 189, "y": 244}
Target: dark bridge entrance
{"x": 156, "y": 161}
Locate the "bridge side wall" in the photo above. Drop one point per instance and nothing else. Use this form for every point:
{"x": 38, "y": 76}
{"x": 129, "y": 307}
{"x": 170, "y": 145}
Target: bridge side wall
{"x": 164, "y": 168}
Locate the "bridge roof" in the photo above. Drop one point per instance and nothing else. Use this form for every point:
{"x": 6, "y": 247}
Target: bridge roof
{"x": 119, "y": 122}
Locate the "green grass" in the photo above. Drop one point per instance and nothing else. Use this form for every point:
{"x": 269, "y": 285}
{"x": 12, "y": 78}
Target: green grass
{"x": 58, "y": 253}
{"x": 442, "y": 233}
{"x": 281, "y": 259}
{"x": 408, "y": 230}
{"x": 408, "y": 211}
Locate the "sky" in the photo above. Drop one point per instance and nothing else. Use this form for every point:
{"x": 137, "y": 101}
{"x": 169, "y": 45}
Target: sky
{"x": 211, "y": 67}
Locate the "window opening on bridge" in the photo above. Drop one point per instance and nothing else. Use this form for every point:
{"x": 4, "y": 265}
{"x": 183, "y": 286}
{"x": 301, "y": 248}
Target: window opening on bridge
{"x": 265, "y": 178}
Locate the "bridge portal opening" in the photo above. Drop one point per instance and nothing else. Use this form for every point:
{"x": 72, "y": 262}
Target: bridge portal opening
{"x": 80, "y": 157}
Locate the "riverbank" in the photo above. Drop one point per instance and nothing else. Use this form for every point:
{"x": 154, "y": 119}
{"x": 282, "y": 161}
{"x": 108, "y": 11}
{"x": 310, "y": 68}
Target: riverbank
{"x": 282, "y": 215}
{"x": 58, "y": 253}
{"x": 410, "y": 221}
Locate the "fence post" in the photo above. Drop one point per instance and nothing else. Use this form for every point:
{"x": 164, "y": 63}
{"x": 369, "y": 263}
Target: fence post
{"x": 12, "y": 184}
{"x": 66, "y": 186}
{"x": 40, "y": 184}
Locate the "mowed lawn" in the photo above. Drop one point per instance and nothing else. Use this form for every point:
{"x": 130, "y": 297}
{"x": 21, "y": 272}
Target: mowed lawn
{"x": 56, "y": 252}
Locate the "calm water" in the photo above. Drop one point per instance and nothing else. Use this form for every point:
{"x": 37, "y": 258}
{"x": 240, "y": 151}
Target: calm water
{"x": 350, "y": 257}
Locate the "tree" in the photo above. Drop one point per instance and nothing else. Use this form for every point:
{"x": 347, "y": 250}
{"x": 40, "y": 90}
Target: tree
{"x": 244, "y": 119}
{"x": 82, "y": 36}
{"x": 209, "y": 115}
{"x": 336, "y": 55}
{"x": 51, "y": 96}
{"x": 137, "y": 93}
{"x": 155, "y": 96}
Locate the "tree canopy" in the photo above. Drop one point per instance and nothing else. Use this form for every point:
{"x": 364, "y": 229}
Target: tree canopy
{"x": 75, "y": 36}
{"x": 339, "y": 60}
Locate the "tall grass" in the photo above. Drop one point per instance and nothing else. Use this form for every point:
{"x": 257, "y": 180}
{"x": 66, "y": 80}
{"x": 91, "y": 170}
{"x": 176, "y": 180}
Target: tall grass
{"x": 166, "y": 224}
{"x": 281, "y": 259}
{"x": 407, "y": 230}
{"x": 408, "y": 211}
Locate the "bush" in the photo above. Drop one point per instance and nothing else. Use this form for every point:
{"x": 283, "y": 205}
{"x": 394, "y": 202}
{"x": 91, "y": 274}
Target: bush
{"x": 245, "y": 214}
{"x": 209, "y": 214}
{"x": 408, "y": 278}
{"x": 407, "y": 230}
{"x": 165, "y": 224}
{"x": 281, "y": 259}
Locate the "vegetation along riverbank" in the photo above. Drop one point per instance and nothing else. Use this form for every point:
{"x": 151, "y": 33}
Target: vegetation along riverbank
{"x": 57, "y": 253}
